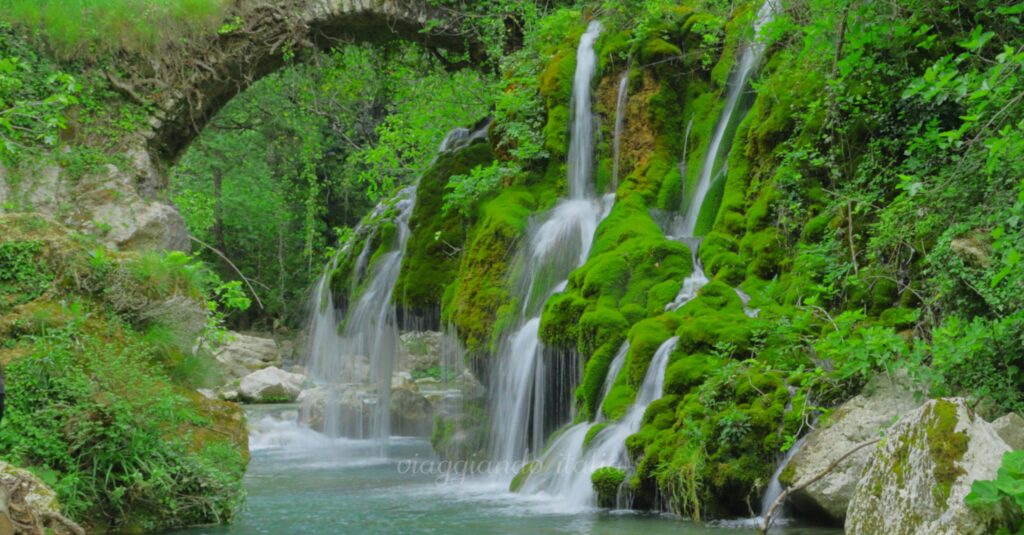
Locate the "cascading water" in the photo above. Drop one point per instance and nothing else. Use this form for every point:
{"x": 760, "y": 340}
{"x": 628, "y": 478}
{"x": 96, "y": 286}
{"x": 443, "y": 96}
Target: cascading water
{"x": 721, "y": 139}
{"x": 693, "y": 283}
{"x": 359, "y": 362}
{"x": 555, "y": 245}
{"x": 620, "y": 121}
{"x": 354, "y": 368}
{"x": 774, "y": 489}
{"x": 581, "y": 144}
{"x": 613, "y": 371}
{"x": 608, "y": 447}
{"x": 565, "y": 468}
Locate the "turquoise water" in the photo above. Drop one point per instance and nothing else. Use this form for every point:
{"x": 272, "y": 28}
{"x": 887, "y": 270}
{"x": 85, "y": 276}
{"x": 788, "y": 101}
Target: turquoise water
{"x": 302, "y": 482}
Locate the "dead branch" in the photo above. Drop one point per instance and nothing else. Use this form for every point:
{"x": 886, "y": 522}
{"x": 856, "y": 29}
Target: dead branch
{"x": 769, "y": 517}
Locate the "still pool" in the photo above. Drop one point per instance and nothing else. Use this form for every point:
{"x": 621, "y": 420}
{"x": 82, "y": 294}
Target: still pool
{"x": 301, "y": 482}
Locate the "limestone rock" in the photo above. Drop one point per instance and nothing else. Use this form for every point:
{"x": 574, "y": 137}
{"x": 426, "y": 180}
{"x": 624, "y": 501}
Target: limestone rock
{"x": 110, "y": 207}
{"x": 860, "y": 419}
{"x": 420, "y": 351}
{"x": 916, "y": 480}
{"x": 346, "y": 406}
{"x": 1011, "y": 429}
{"x": 244, "y": 354}
{"x": 270, "y": 385}
{"x": 411, "y": 413}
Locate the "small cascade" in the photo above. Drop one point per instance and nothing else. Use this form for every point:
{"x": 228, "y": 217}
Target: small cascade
{"x": 581, "y": 143}
{"x": 613, "y": 371}
{"x": 555, "y": 245}
{"x": 355, "y": 367}
{"x": 565, "y": 468}
{"x": 713, "y": 165}
{"x": 745, "y": 299}
{"x": 774, "y": 489}
{"x": 620, "y": 120}
{"x": 693, "y": 283}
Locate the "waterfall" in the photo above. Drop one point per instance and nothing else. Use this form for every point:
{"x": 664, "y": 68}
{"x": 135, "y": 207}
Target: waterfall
{"x": 620, "y": 120}
{"x": 774, "y": 489}
{"x": 720, "y": 140}
{"x": 354, "y": 368}
{"x": 581, "y": 144}
{"x": 693, "y": 283}
{"x": 613, "y": 371}
{"x": 745, "y": 299}
{"x": 360, "y": 360}
{"x": 565, "y": 468}
{"x": 555, "y": 245}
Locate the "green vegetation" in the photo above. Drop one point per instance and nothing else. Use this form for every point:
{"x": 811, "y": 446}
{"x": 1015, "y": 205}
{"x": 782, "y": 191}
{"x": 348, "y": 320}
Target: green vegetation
{"x": 89, "y": 28}
{"x": 606, "y": 483}
{"x": 1006, "y": 490}
{"x": 97, "y": 351}
{"x": 869, "y": 201}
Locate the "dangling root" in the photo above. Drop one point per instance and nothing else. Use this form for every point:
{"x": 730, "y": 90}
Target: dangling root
{"x": 17, "y": 517}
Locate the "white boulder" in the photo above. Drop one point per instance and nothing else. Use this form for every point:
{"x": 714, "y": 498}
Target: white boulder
{"x": 271, "y": 385}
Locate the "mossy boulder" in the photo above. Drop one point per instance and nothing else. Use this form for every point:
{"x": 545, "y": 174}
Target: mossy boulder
{"x": 918, "y": 477}
{"x": 858, "y": 420}
{"x": 606, "y": 482}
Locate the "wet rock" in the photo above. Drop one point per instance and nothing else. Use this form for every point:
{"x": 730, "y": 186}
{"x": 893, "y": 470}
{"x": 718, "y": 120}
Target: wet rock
{"x": 860, "y": 419}
{"x": 340, "y": 410}
{"x": 420, "y": 351}
{"x": 411, "y": 413}
{"x": 270, "y": 385}
{"x": 916, "y": 480}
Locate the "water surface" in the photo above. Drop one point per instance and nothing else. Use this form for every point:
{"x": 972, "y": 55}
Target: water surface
{"x": 301, "y": 482}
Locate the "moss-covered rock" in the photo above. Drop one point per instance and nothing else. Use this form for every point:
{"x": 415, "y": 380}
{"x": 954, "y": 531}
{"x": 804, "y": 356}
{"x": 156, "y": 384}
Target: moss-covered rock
{"x": 431, "y": 261}
{"x": 606, "y": 482}
{"x": 919, "y": 475}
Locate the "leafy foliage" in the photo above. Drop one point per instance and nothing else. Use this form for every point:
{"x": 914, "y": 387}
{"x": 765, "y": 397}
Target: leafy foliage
{"x": 332, "y": 139}
{"x": 1006, "y": 490}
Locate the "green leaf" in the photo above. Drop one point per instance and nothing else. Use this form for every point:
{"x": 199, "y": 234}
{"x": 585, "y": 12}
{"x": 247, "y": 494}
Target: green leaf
{"x": 1011, "y": 10}
{"x": 983, "y": 494}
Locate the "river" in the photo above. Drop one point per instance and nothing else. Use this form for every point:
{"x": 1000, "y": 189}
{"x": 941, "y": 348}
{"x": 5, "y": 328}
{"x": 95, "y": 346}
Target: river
{"x": 301, "y": 482}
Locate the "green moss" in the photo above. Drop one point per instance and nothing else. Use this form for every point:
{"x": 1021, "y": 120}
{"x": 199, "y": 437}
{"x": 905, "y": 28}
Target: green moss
{"x": 606, "y": 482}
{"x": 556, "y": 131}
{"x": 557, "y": 78}
{"x": 592, "y": 432}
{"x": 524, "y": 473}
{"x": 559, "y": 326}
{"x": 644, "y": 340}
{"x": 765, "y": 253}
{"x": 657, "y": 49}
{"x": 946, "y": 447}
{"x": 429, "y": 265}
{"x": 689, "y": 372}
{"x": 601, "y": 326}
{"x": 481, "y": 285}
